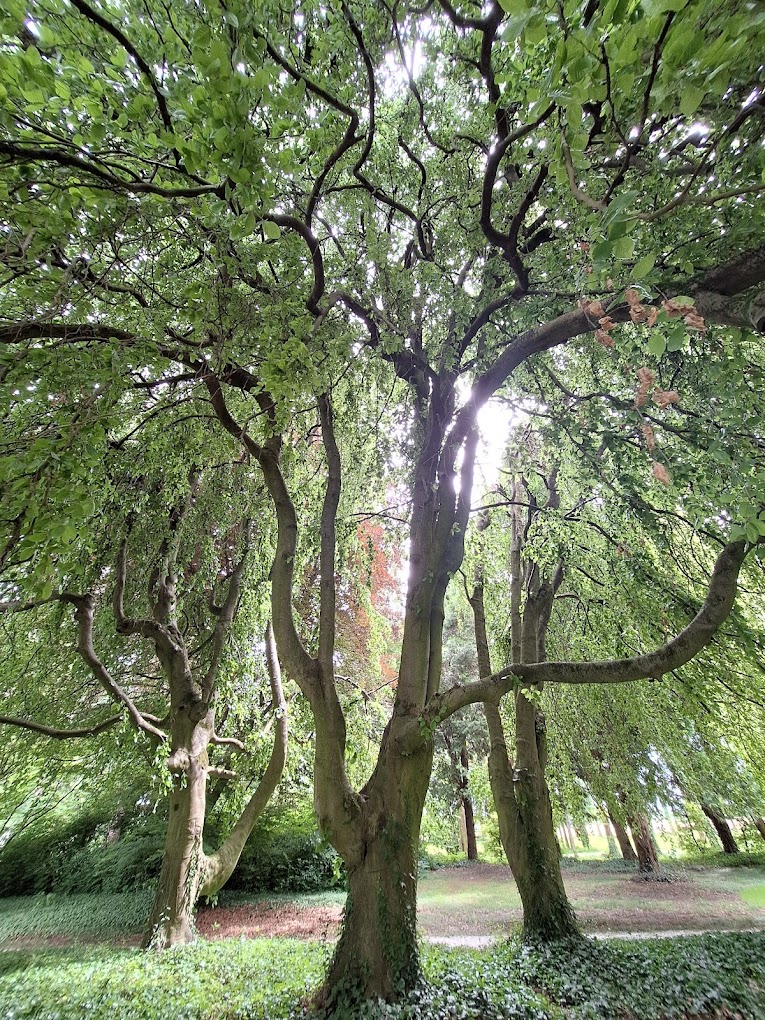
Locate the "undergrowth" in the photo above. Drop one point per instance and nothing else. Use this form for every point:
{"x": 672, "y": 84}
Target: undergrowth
{"x": 87, "y": 916}
{"x": 711, "y": 976}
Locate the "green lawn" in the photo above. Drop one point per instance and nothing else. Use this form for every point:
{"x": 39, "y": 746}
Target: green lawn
{"x": 482, "y": 899}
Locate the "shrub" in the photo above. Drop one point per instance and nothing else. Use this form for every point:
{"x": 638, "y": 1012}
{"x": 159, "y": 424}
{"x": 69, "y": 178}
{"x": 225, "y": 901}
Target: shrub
{"x": 286, "y": 853}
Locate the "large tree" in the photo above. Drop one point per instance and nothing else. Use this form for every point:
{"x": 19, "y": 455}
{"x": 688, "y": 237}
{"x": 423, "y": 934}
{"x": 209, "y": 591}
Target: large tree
{"x": 292, "y": 208}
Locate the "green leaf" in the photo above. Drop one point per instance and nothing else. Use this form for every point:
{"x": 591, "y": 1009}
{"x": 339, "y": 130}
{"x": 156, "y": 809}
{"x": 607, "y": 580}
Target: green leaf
{"x": 657, "y": 344}
{"x": 752, "y": 532}
{"x": 624, "y": 247}
{"x": 690, "y": 100}
{"x": 643, "y": 267}
{"x": 271, "y": 230}
{"x": 676, "y": 339}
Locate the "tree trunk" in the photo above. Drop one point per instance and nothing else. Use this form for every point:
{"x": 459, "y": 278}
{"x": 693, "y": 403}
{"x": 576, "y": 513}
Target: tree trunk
{"x": 521, "y": 795}
{"x": 467, "y": 807}
{"x": 611, "y": 840}
{"x": 376, "y": 955}
{"x": 722, "y": 829}
{"x": 526, "y": 829}
{"x": 759, "y": 824}
{"x": 171, "y": 918}
{"x": 623, "y": 839}
{"x": 647, "y": 854}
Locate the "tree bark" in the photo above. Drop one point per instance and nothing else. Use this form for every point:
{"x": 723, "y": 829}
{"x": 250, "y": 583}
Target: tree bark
{"x": 722, "y": 829}
{"x": 647, "y": 854}
{"x": 467, "y": 807}
{"x": 377, "y": 954}
{"x": 521, "y": 795}
{"x": 171, "y": 917}
{"x": 610, "y": 839}
{"x": 623, "y": 839}
{"x": 759, "y": 824}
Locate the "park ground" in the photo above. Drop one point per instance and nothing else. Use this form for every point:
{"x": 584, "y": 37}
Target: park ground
{"x": 463, "y": 902}
{"x": 70, "y": 956}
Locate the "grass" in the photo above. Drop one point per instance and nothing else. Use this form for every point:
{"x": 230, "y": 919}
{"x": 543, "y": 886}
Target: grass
{"x": 476, "y": 900}
{"x": 85, "y": 916}
{"x": 712, "y": 976}
{"x": 469, "y": 900}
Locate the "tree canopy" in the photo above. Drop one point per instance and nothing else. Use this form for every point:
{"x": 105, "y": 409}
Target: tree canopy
{"x": 313, "y": 243}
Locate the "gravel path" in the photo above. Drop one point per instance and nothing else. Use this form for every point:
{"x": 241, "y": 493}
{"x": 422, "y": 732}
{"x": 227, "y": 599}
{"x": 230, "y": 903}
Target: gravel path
{"x": 483, "y": 941}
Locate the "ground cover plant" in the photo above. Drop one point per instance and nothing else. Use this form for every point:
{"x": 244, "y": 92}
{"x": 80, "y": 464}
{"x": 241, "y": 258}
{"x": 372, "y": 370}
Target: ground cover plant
{"x": 706, "y": 977}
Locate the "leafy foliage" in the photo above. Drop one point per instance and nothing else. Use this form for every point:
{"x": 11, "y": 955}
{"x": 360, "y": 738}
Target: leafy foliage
{"x": 585, "y": 980}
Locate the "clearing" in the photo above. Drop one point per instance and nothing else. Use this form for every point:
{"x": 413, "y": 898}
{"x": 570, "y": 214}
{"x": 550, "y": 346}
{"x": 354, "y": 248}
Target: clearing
{"x": 465, "y": 901}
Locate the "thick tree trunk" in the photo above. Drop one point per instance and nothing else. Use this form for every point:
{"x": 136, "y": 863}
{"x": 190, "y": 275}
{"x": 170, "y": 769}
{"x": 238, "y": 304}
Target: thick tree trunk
{"x": 722, "y": 829}
{"x": 759, "y": 824}
{"x": 623, "y": 839}
{"x": 376, "y": 955}
{"x": 171, "y": 918}
{"x": 647, "y": 853}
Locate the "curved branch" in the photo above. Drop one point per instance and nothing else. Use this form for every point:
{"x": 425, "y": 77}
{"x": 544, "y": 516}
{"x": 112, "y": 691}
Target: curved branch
{"x": 122, "y": 39}
{"x": 59, "y": 734}
{"x": 23, "y": 153}
{"x": 84, "y": 612}
{"x": 721, "y": 594}
{"x": 219, "y": 866}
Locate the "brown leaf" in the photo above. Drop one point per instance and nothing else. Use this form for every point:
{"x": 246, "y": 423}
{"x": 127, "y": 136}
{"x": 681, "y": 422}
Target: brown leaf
{"x": 660, "y": 473}
{"x": 647, "y": 378}
{"x": 650, "y": 438}
{"x": 632, "y": 296}
{"x": 638, "y": 313}
{"x": 694, "y": 321}
{"x": 665, "y": 397}
{"x": 603, "y": 338}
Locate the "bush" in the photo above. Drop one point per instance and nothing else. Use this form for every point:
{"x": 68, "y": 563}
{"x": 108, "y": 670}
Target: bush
{"x": 73, "y": 857}
{"x": 286, "y": 853}
{"x": 718, "y": 859}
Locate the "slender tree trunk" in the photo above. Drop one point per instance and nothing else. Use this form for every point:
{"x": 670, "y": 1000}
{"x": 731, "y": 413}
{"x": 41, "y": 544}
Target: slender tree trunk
{"x": 547, "y": 913}
{"x": 521, "y": 795}
{"x": 623, "y": 839}
{"x": 722, "y": 829}
{"x": 467, "y": 807}
{"x": 611, "y": 840}
{"x": 647, "y": 854}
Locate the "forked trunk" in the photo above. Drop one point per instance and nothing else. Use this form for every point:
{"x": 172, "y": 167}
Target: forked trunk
{"x": 623, "y": 839}
{"x": 527, "y": 833}
{"x": 376, "y": 956}
{"x": 171, "y": 918}
{"x": 723, "y": 830}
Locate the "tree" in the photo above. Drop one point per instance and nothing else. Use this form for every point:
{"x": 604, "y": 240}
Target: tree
{"x": 196, "y": 562}
{"x": 285, "y": 206}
